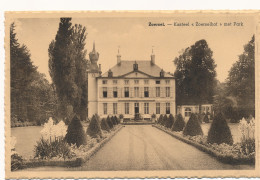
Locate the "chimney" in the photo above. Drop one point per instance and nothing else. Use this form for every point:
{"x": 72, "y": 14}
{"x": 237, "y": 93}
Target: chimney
{"x": 118, "y": 58}
{"x": 152, "y": 58}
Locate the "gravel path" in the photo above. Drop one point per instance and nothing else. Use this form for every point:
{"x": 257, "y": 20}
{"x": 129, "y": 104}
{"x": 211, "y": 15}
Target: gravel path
{"x": 143, "y": 147}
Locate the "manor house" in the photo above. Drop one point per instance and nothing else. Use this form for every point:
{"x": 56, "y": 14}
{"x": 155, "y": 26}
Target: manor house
{"x": 130, "y": 87}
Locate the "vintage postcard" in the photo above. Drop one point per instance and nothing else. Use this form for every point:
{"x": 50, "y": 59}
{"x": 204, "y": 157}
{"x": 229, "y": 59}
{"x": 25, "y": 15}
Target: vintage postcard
{"x": 132, "y": 94}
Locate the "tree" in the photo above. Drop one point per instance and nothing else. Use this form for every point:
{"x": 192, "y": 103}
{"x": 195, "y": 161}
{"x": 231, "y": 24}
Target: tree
{"x": 68, "y": 66}
{"x": 75, "y": 133}
{"x": 219, "y": 131}
{"x": 159, "y": 119}
{"x": 241, "y": 80}
{"x": 94, "y": 128}
{"x": 193, "y": 127}
{"x": 195, "y": 75}
{"x": 109, "y": 122}
{"x": 178, "y": 124}
{"x": 113, "y": 119}
{"x": 170, "y": 121}
{"x": 165, "y": 119}
{"x": 32, "y": 96}
{"x": 206, "y": 119}
{"x": 104, "y": 125}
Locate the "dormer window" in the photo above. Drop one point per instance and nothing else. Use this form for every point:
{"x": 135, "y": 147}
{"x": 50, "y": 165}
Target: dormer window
{"x": 135, "y": 66}
{"x": 110, "y": 73}
{"x": 162, "y": 73}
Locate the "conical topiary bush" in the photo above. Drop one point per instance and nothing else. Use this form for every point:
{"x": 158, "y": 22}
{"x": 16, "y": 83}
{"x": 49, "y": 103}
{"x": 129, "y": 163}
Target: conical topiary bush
{"x": 109, "y": 122}
{"x": 170, "y": 121}
{"x": 117, "y": 120}
{"x": 193, "y": 127}
{"x": 94, "y": 128}
{"x": 178, "y": 124}
{"x": 113, "y": 119}
{"x": 165, "y": 119}
{"x": 219, "y": 131}
{"x": 104, "y": 125}
{"x": 160, "y": 119}
{"x": 206, "y": 119}
{"x": 75, "y": 133}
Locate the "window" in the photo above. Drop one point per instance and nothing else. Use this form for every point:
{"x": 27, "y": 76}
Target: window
{"x": 126, "y": 91}
{"x": 105, "y": 108}
{"x": 136, "y": 81}
{"x": 157, "y": 82}
{"x": 104, "y": 92}
{"x": 114, "y": 81}
{"x": 167, "y": 81}
{"x": 104, "y": 82}
{"x": 126, "y": 108}
{"x": 126, "y": 81}
{"x": 114, "y": 92}
{"x": 167, "y": 91}
{"x": 157, "y": 91}
{"x": 114, "y": 108}
{"x": 146, "y": 91}
{"x": 146, "y": 81}
{"x": 146, "y": 108}
{"x": 136, "y": 91}
{"x": 187, "y": 112}
{"x": 168, "y": 109}
{"x": 157, "y": 108}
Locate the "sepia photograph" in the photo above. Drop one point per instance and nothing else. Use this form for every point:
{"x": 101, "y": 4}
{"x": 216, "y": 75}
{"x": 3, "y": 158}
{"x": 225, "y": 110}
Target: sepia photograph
{"x": 131, "y": 94}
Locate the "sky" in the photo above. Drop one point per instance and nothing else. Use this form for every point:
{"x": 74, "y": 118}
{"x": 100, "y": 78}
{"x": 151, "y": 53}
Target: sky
{"x": 136, "y": 39}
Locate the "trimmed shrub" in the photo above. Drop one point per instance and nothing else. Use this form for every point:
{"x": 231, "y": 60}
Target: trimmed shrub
{"x": 200, "y": 117}
{"x": 117, "y": 120}
{"x": 109, "y": 122}
{"x": 206, "y": 119}
{"x": 104, "y": 125}
{"x": 94, "y": 128}
{"x": 160, "y": 120}
{"x": 121, "y": 116}
{"x": 219, "y": 131}
{"x": 165, "y": 119}
{"x": 113, "y": 119}
{"x": 170, "y": 121}
{"x": 178, "y": 124}
{"x": 75, "y": 133}
{"x": 192, "y": 127}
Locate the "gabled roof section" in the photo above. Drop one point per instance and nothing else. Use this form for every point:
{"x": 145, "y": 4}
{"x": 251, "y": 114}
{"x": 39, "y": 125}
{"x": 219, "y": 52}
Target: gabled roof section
{"x": 143, "y": 66}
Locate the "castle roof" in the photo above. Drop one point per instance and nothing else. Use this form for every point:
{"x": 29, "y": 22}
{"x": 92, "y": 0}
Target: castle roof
{"x": 146, "y": 67}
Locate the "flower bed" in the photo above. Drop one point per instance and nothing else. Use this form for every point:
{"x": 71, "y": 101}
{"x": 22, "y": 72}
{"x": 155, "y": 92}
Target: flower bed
{"x": 225, "y": 153}
{"x": 79, "y": 154}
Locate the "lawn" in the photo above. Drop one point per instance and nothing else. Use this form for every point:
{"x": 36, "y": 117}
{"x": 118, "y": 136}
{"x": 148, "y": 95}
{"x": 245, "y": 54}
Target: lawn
{"x": 26, "y": 138}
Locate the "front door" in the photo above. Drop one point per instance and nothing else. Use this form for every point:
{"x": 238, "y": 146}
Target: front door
{"x": 136, "y": 108}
